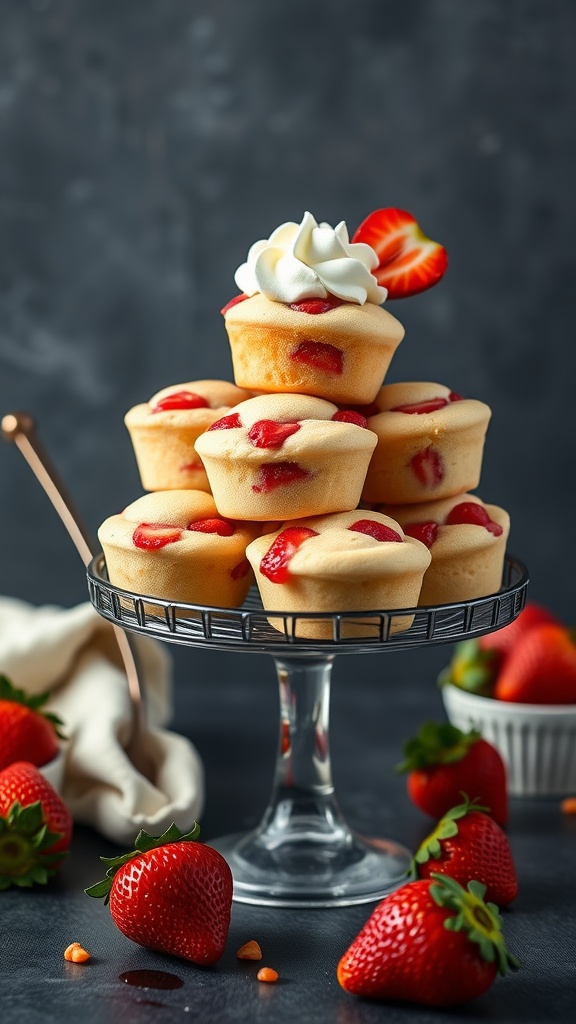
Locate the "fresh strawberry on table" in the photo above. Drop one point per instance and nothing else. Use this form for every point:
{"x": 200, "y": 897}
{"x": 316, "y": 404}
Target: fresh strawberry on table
{"x": 430, "y": 942}
{"x": 35, "y": 827}
{"x": 468, "y": 844}
{"x": 542, "y": 669}
{"x": 409, "y": 261}
{"x": 171, "y": 894}
{"x": 443, "y": 763}
{"x": 476, "y": 663}
{"x": 26, "y": 732}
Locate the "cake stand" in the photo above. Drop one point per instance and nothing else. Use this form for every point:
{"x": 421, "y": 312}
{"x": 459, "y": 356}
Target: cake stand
{"x": 303, "y": 854}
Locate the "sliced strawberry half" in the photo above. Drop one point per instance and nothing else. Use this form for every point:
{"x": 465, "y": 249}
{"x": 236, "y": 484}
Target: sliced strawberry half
{"x": 271, "y": 433}
{"x": 180, "y": 400}
{"x": 150, "y": 536}
{"x": 428, "y": 467}
{"x": 372, "y": 528}
{"x": 275, "y": 563}
{"x": 429, "y": 405}
{"x": 409, "y": 261}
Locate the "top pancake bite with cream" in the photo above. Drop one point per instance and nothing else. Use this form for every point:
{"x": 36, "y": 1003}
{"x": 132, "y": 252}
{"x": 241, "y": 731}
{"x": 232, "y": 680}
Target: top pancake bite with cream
{"x": 163, "y": 431}
{"x": 430, "y": 443}
{"x": 309, "y": 319}
{"x": 279, "y": 457}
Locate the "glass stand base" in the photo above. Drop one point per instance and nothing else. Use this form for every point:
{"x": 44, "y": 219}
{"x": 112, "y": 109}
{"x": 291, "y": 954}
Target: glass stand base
{"x": 307, "y": 873}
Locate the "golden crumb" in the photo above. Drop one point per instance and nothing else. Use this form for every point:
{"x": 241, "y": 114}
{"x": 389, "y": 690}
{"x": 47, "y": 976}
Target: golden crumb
{"x": 250, "y": 951}
{"x": 75, "y": 954}
{"x": 267, "y": 974}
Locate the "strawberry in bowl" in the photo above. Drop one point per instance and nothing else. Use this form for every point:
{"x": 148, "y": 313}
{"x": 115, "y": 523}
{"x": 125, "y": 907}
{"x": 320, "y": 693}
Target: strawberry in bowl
{"x": 518, "y": 687}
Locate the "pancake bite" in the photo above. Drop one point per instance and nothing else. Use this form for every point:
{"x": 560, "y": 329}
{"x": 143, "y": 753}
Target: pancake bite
{"x": 279, "y": 457}
{"x": 430, "y": 443}
{"x": 163, "y": 432}
{"x": 309, "y": 320}
{"x": 176, "y": 546}
{"x": 350, "y": 561}
{"x": 467, "y": 542}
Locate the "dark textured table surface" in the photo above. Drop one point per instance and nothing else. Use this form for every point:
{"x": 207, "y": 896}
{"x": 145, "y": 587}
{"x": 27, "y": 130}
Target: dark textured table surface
{"x": 377, "y": 701}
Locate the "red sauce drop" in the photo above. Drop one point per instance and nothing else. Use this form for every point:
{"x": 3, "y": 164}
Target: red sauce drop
{"x": 151, "y": 979}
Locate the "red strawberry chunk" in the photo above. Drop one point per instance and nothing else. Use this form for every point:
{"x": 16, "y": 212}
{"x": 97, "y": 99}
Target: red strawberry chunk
{"x": 240, "y": 570}
{"x": 277, "y": 474}
{"x": 425, "y": 532}
{"x": 379, "y": 531}
{"x": 270, "y": 433}
{"x": 315, "y": 306}
{"x": 180, "y": 400}
{"x": 430, "y": 405}
{"x": 455, "y": 397}
{"x": 233, "y": 302}
{"x": 320, "y": 356}
{"x": 227, "y": 422}
{"x": 409, "y": 261}
{"x": 150, "y": 536}
{"x": 428, "y": 467}
{"x": 188, "y": 467}
{"x": 475, "y": 514}
{"x": 223, "y": 527}
{"x": 350, "y": 416}
{"x": 275, "y": 563}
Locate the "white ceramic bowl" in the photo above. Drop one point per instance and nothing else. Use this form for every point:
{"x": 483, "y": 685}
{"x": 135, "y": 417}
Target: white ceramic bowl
{"x": 536, "y": 741}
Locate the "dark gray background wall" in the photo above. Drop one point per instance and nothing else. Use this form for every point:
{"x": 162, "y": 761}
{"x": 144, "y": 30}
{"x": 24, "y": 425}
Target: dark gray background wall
{"x": 145, "y": 144}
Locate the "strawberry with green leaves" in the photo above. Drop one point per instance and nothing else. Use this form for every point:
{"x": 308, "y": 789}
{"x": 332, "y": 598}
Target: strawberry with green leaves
{"x": 26, "y": 732}
{"x": 443, "y": 762}
{"x": 430, "y": 942}
{"x": 468, "y": 844}
{"x": 35, "y": 827}
{"x": 170, "y": 893}
{"x": 476, "y": 664}
{"x": 542, "y": 669}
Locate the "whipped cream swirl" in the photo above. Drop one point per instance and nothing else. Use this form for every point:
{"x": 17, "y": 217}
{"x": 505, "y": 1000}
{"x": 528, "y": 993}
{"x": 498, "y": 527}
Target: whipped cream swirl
{"x": 311, "y": 260}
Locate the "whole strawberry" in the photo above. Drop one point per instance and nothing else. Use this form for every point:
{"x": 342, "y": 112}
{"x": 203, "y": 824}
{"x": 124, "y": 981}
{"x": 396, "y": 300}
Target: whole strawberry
{"x": 430, "y": 942}
{"x": 35, "y": 827}
{"x": 443, "y": 763}
{"x": 476, "y": 663}
{"x": 542, "y": 669}
{"x": 26, "y": 732}
{"x": 467, "y": 843}
{"x": 170, "y": 893}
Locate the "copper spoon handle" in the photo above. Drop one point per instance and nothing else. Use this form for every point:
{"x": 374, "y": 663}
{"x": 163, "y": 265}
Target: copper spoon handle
{"x": 19, "y": 428}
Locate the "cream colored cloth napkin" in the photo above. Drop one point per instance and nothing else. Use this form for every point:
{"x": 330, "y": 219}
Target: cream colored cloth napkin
{"x": 72, "y": 653}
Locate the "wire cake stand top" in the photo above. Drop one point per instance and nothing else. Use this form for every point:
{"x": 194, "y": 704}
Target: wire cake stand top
{"x": 248, "y": 627}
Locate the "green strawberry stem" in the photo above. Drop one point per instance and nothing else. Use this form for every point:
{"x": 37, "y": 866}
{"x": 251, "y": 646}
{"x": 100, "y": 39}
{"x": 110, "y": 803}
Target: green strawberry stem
{"x": 472, "y": 669}
{"x": 143, "y": 844}
{"x": 33, "y": 701}
{"x": 479, "y": 920}
{"x": 436, "y": 744}
{"x": 446, "y": 828}
{"x": 25, "y": 857}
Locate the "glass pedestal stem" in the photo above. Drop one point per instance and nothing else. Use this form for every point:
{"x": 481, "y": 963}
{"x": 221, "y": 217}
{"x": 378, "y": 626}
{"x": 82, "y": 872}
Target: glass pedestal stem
{"x": 303, "y": 854}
